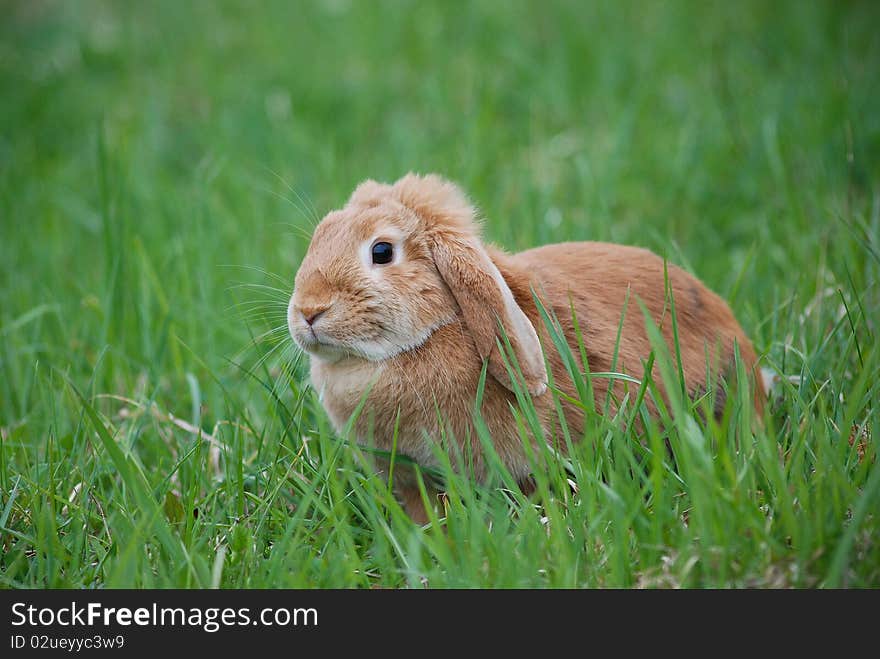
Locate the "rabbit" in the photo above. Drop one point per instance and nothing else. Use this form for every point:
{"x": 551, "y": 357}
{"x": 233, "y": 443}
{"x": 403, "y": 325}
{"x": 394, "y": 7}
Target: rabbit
{"x": 400, "y": 304}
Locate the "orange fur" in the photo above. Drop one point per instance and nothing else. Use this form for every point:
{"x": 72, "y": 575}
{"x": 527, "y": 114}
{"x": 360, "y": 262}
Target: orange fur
{"x": 415, "y": 333}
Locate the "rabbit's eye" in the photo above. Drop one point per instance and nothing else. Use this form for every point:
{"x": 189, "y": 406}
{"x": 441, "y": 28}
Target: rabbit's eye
{"x": 382, "y": 253}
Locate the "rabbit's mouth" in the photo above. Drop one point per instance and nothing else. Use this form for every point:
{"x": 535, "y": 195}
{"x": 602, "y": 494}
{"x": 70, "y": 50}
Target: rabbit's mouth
{"x": 314, "y": 341}
{"x": 312, "y": 338}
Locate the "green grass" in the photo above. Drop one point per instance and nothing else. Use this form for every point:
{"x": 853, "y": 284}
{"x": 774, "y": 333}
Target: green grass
{"x": 161, "y": 165}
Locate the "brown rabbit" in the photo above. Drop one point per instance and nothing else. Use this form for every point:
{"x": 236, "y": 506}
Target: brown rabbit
{"x": 399, "y": 297}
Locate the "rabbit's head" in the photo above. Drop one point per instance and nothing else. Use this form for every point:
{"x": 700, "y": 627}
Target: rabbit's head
{"x": 397, "y": 263}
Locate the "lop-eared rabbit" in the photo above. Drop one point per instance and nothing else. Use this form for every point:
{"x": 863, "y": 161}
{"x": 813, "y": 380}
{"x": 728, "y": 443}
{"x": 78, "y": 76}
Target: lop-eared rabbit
{"x": 398, "y": 299}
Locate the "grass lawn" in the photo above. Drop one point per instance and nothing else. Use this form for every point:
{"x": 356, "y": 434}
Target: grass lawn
{"x": 162, "y": 165}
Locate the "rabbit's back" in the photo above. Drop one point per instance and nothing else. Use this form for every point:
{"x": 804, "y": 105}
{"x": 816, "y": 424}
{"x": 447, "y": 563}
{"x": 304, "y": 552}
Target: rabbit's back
{"x": 604, "y": 284}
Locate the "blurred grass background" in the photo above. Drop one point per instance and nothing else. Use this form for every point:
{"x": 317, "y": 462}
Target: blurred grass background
{"x": 160, "y": 163}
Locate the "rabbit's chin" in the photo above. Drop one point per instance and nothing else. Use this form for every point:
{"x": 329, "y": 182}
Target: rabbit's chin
{"x": 326, "y": 353}
{"x": 322, "y": 350}
{"x": 331, "y": 352}
{"x": 366, "y": 351}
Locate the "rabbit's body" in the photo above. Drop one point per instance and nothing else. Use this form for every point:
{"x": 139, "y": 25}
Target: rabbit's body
{"x": 420, "y": 327}
{"x": 604, "y": 283}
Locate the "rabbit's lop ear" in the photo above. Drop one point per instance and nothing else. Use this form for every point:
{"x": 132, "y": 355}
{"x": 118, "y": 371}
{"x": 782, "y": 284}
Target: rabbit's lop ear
{"x": 487, "y": 305}
{"x": 486, "y": 301}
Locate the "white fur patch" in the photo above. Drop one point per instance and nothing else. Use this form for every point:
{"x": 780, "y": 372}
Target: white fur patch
{"x": 380, "y": 350}
{"x": 770, "y": 380}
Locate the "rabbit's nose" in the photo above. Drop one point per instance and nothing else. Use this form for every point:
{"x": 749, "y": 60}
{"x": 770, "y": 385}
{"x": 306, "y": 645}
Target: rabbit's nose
{"x": 311, "y": 313}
